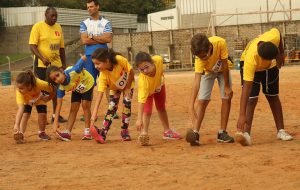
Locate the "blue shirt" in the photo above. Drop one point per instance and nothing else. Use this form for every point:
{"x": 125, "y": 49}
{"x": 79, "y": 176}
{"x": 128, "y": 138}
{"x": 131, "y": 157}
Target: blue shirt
{"x": 95, "y": 28}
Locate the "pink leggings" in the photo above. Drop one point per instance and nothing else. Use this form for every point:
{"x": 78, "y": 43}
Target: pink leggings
{"x": 160, "y": 101}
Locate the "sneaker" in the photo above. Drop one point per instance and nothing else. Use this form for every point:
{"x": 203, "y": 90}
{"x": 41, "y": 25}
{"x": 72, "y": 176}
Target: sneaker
{"x": 81, "y": 118}
{"x": 65, "y": 136}
{"x": 192, "y": 137}
{"x": 171, "y": 134}
{"x": 144, "y": 139}
{"x": 19, "y": 138}
{"x": 43, "y": 136}
{"x": 243, "y": 138}
{"x": 60, "y": 119}
{"x": 283, "y": 135}
{"x": 116, "y": 116}
{"x": 98, "y": 134}
{"x": 125, "y": 135}
{"x": 224, "y": 137}
{"x": 86, "y": 134}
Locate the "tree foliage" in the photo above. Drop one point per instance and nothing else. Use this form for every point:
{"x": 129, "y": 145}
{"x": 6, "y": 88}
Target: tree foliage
{"x": 139, "y": 7}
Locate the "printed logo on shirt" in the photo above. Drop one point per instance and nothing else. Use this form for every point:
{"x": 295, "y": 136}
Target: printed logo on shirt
{"x": 57, "y": 33}
{"x": 41, "y": 95}
{"x": 80, "y": 88}
{"x": 218, "y": 66}
{"x": 54, "y": 47}
{"x": 122, "y": 81}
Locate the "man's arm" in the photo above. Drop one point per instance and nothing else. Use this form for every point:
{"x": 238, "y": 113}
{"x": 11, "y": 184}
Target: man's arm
{"x": 227, "y": 88}
{"x": 86, "y": 40}
{"x": 62, "y": 55}
{"x": 36, "y": 52}
{"x": 105, "y": 38}
{"x": 280, "y": 57}
{"x": 242, "y": 120}
{"x": 195, "y": 90}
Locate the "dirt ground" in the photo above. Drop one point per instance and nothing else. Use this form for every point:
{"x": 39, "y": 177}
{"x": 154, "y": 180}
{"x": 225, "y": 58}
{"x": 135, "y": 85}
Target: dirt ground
{"x": 268, "y": 164}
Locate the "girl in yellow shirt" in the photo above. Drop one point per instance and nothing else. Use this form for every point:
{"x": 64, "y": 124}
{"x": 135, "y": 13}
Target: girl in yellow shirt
{"x": 80, "y": 82}
{"x": 31, "y": 91}
{"x": 117, "y": 75}
{"x": 151, "y": 86}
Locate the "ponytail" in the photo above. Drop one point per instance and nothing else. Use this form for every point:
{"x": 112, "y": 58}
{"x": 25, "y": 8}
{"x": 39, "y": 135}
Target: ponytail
{"x": 26, "y": 78}
{"x": 102, "y": 54}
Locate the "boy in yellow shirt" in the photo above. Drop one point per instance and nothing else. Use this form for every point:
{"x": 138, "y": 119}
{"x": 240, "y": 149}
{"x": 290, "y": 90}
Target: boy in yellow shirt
{"x": 262, "y": 58}
{"x": 151, "y": 86}
{"x": 211, "y": 63}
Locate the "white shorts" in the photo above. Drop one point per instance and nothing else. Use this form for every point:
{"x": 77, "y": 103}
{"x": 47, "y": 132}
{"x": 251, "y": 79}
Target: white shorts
{"x": 207, "y": 83}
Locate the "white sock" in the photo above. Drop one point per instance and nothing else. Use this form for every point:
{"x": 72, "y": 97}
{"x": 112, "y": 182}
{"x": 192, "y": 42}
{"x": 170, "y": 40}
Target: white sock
{"x": 221, "y": 131}
{"x": 195, "y": 131}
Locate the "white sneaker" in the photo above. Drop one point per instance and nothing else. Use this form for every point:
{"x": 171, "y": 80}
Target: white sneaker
{"x": 86, "y": 134}
{"x": 243, "y": 138}
{"x": 283, "y": 135}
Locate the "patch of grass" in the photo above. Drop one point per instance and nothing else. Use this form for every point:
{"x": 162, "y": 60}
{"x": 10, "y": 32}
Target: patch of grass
{"x": 13, "y": 57}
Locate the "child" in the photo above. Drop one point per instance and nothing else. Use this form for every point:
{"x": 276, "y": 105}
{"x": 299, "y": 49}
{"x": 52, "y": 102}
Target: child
{"x": 260, "y": 67}
{"x": 211, "y": 63}
{"x": 117, "y": 75}
{"x": 31, "y": 91}
{"x": 151, "y": 85}
{"x": 81, "y": 83}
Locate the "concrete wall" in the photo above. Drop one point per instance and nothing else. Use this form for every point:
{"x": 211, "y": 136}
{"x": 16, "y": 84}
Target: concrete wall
{"x": 15, "y": 39}
{"x": 161, "y": 42}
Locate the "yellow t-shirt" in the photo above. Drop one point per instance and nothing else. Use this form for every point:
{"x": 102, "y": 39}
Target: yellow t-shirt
{"x": 117, "y": 78}
{"x": 49, "y": 39}
{"x": 150, "y": 85}
{"x": 253, "y": 62}
{"x": 42, "y": 89}
{"x": 213, "y": 63}
{"x": 78, "y": 81}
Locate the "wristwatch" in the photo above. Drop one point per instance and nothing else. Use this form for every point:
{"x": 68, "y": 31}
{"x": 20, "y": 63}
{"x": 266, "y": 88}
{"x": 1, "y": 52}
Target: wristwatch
{"x": 91, "y": 36}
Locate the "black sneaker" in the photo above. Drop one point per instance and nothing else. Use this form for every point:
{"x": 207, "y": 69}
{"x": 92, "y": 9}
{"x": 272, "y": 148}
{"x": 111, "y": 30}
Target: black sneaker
{"x": 60, "y": 119}
{"x": 224, "y": 137}
{"x": 192, "y": 137}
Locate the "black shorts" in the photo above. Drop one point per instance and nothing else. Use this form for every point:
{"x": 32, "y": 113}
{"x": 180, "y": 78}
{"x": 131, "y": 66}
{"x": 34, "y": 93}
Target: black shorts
{"x": 269, "y": 80}
{"x": 39, "y": 108}
{"x": 40, "y": 72}
{"x": 77, "y": 97}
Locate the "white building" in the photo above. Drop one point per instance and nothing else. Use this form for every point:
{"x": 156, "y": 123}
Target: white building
{"x": 199, "y": 13}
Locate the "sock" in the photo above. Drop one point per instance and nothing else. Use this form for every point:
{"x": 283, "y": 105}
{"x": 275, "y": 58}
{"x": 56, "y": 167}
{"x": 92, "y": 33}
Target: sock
{"x": 195, "y": 131}
{"x": 221, "y": 131}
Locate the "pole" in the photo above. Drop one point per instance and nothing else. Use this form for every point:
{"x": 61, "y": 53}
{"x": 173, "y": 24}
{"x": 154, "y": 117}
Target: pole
{"x": 8, "y": 58}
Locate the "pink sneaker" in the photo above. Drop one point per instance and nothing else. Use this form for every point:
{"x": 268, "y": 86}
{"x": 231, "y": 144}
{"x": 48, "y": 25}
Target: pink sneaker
{"x": 64, "y": 136}
{"x": 125, "y": 135}
{"x": 171, "y": 134}
{"x": 98, "y": 134}
{"x": 87, "y": 134}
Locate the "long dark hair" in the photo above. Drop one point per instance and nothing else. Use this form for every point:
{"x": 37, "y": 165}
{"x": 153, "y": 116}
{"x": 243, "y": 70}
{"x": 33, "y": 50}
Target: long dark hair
{"x": 26, "y": 78}
{"x": 49, "y": 71}
{"x": 102, "y": 54}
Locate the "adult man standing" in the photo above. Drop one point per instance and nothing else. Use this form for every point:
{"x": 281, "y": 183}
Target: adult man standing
{"x": 95, "y": 32}
{"x": 47, "y": 44}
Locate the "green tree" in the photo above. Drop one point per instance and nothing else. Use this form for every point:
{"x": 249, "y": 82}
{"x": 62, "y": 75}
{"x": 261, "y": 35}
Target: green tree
{"x": 139, "y": 7}
{"x": 14, "y": 3}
